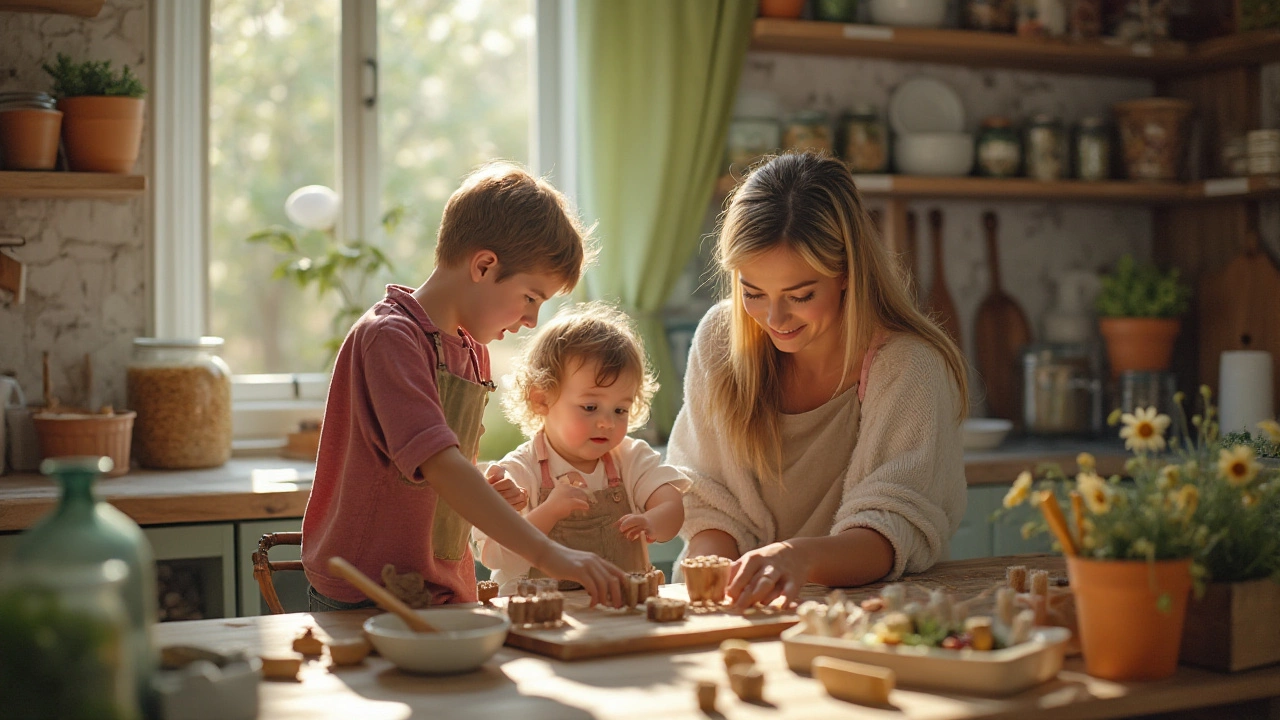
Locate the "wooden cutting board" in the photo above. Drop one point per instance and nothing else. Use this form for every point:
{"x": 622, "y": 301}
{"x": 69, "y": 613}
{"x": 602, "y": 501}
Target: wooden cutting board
{"x": 600, "y": 632}
{"x": 938, "y": 304}
{"x": 1000, "y": 330}
{"x": 1239, "y": 306}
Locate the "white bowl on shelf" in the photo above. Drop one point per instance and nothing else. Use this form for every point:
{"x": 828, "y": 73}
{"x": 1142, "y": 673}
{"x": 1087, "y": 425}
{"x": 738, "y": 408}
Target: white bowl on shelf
{"x": 947, "y": 154}
{"x": 984, "y": 433}
{"x": 467, "y": 637}
{"x": 909, "y": 13}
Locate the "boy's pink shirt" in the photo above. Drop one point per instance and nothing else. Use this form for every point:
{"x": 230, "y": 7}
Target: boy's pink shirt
{"x": 382, "y": 420}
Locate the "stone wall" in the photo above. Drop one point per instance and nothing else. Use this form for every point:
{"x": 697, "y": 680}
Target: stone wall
{"x": 87, "y": 272}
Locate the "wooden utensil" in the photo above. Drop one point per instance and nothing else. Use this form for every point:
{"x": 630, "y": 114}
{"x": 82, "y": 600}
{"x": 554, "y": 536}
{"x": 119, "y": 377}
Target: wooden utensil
{"x": 379, "y": 595}
{"x": 1237, "y": 310}
{"x": 1000, "y": 331}
{"x": 909, "y": 254}
{"x": 939, "y": 304}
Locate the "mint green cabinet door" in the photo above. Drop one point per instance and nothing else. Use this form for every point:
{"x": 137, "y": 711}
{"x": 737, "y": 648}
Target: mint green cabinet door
{"x": 1008, "y": 538}
{"x": 973, "y": 539}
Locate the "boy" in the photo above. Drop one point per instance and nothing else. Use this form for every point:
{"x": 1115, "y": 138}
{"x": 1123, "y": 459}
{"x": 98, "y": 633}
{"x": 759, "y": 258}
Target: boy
{"x": 395, "y": 481}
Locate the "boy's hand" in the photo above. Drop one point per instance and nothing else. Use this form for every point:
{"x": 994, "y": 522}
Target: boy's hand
{"x": 600, "y": 578}
{"x": 516, "y": 496}
{"x": 636, "y": 526}
{"x": 564, "y": 499}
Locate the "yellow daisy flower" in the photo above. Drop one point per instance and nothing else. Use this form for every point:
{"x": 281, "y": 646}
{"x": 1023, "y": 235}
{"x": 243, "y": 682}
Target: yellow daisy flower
{"x": 1144, "y": 430}
{"x": 1018, "y": 493}
{"x": 1238, "y": 465}
{"x": 1170, "y": 476}
{"x": 1187, "y": 499}
{"x": 1087, "y": 462}
{"x": 1272, "y": 429}
{"x": 1097, "y": 496}
{"x": 1249, "y": 499}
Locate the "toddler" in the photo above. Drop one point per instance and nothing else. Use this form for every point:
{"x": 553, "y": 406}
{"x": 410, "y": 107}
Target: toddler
{"x": 580, "y": 384}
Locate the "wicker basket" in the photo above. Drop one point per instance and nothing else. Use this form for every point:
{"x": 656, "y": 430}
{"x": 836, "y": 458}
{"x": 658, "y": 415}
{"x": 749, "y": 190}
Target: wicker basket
{"x": 1153, "y": 135}
{"x": 63, "y": 434}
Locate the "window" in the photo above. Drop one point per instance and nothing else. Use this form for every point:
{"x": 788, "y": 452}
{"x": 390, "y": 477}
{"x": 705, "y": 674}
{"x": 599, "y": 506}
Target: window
{"x": 443, "y": 85}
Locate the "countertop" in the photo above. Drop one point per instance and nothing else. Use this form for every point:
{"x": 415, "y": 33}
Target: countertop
{"x": 255, "y": 488}
{"x": 517, "y": 684}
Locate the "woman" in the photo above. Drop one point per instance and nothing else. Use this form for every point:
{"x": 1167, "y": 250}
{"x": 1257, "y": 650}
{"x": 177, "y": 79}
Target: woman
{"x": 821, "y": 422}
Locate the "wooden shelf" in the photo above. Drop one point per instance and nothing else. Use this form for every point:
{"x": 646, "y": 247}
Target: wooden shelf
{"x": 80, "y": 8}
{"x": 998, "y": 50}
{"x": 1108, "y": 191}
{"x": 17, "y": 184}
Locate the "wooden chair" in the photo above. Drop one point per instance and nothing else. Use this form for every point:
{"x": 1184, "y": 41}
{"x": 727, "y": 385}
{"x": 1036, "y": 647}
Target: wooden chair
{"x": 263, "y": 567}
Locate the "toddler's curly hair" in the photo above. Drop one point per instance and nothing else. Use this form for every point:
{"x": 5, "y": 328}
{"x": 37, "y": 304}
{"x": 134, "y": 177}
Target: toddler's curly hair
{"x": 582, "y": 333}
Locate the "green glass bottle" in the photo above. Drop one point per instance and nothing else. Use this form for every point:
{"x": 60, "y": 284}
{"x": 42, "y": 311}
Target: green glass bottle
{"x": 84, "y": 529}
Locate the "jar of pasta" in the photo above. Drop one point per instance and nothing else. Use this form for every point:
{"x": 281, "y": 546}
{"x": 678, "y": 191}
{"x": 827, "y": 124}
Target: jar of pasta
{"x": 808, "y": 130}
{"x": 181, "y": 391}
{"x": 864, "y": 140}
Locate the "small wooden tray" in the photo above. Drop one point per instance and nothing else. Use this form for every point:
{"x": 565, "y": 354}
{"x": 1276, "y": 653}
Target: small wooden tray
{"x": 972, "y": 672}
{"x": 599, "y": 632}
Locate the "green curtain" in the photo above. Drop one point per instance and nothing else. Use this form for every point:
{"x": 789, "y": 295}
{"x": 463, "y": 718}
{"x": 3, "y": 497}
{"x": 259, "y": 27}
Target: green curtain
{"x": 656, "y": 84}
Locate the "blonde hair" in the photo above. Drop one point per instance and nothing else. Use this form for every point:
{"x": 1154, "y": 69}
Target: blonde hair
{"x": 808, "y": 204}
{"x": 522, "y": 219}
{"x": 577, "y": 336}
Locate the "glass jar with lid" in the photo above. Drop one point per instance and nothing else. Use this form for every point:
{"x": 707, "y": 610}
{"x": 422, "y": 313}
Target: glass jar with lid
{"x": 864, "y": 140}
{"x": 990, "y": 15}
{"x": 66, "y": 628}
{"x": 1093, "y": 150}
{"x": 1046, "y": 148}
{"x": 754, "y": 131}
{"x": 181, "y": 391}
{"x": 808, "y": 130}
{"x": 999, "y": 148}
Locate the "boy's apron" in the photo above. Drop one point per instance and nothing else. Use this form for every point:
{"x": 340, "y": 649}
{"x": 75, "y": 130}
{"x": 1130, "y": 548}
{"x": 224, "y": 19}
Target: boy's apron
{"x": 596, "y": 528}
{"x": 463, "y": 402}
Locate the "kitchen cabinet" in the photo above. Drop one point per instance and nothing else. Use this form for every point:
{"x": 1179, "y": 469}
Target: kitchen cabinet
{"x": 981, "y": 536}
{"x": 291, "y": 587}
{"x": 202, "y": 554}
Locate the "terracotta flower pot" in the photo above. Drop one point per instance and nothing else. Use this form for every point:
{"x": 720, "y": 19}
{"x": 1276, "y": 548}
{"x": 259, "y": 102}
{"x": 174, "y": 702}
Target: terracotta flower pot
{"x": 29, "y": 138}
{"x": 1144, "y": 344}
{"x": 1153, "y": 135}
{"x": 789, "y": 9}
{"x": 102, "y": 134}
{"x": 1131, "y": 614}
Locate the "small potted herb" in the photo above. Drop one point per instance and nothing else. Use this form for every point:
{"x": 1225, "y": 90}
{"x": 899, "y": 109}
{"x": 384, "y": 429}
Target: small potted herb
{"x": 1140, "y": 310}
{"x": 102, "y": 114}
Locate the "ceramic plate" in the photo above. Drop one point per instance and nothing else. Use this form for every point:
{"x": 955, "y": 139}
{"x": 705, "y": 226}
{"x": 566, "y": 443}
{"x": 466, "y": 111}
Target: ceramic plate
{"x": 925, "y": 105}
{"x": 971, "y": 672}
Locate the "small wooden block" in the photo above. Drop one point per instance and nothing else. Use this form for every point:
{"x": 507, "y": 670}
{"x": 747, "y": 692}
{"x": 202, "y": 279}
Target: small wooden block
{"x": 707, "y": 696}
{"x": 308, "y": 644}
{"x": 736, "y": 652}
{"x": 747, "y": 682}
{"x": 854, "y": 681}
{"x": 486, "y": 591}
{"x": 281, "y": 668}
{"x": 660, "y": 609}
{"x": 349, "y": 652}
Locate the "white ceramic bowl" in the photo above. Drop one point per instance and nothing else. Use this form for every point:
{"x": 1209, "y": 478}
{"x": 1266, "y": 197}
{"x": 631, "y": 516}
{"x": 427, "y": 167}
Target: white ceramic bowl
{"x": 944, "y": 154}
{"x": 984, "y": 433}
{"x": 909, "y": 13}
{"x": 467, "y": 637}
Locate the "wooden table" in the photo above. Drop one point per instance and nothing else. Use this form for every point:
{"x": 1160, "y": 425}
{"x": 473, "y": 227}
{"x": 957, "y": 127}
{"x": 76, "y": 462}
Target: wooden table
{"x": 516, "y": 685}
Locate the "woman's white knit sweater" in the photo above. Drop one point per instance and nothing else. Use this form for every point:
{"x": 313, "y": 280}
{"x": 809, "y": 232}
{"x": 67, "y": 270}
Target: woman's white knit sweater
{"x": 892, "y": 462}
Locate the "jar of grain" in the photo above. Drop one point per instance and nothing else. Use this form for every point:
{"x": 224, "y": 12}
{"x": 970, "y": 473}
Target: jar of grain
{"x": 181, "y": 391}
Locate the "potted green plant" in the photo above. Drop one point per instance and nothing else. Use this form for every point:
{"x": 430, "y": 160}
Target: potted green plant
{"x": 1140, "y": 309}
{"x": 102, "y": 113}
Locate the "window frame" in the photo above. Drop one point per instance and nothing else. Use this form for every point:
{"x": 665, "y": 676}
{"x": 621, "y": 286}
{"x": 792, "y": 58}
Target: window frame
{"x": 267, "y": 407}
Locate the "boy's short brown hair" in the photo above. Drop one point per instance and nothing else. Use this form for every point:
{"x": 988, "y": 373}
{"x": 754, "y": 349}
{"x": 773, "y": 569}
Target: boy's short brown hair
{"x": 522, "y": 219}
{"x": 580, "y": 334}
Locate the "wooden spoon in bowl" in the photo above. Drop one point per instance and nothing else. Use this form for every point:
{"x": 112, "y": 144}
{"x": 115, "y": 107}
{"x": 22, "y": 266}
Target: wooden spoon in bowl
{"x": 379, "y": 595}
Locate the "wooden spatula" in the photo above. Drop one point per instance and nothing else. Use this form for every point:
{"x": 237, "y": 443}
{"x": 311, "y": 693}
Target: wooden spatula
{"x": 1000, "y": 331}
{"x": 939, "y": 303}
{"x": 379, "y": 595}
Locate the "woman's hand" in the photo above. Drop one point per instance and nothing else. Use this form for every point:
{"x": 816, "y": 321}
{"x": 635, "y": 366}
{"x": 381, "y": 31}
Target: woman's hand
{"x": 768, "y": 573}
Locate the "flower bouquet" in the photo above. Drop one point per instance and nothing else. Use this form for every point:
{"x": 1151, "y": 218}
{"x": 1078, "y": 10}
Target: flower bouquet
{"x": 1191, "y": 510}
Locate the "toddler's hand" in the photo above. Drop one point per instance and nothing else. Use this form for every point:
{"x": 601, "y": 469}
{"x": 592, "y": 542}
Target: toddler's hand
{"x": 636, "y": 526}
{"x": 564, "y": 499}
{"x": 515, "y": 495}
{"x": 600, "y": 578}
